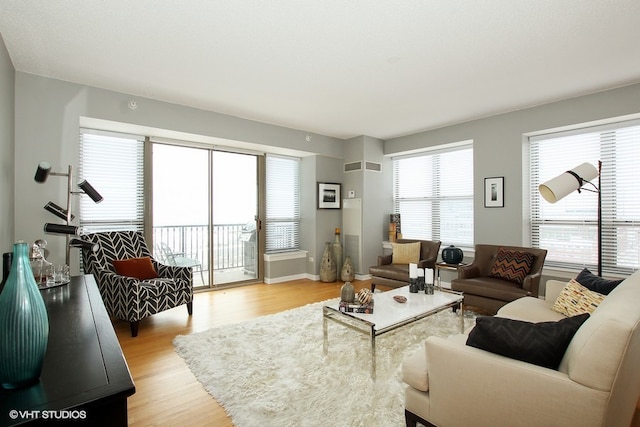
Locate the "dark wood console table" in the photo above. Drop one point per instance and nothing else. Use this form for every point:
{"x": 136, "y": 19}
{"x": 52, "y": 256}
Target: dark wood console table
{"x": 85, "y": 378}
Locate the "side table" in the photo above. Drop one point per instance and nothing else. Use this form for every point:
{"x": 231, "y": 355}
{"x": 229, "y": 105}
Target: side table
{"x": 447, "y": 267}
{"x": 85, "y": 379}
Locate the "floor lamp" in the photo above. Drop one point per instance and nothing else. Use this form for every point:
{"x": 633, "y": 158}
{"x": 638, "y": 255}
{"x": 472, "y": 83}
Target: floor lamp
{"x": 576, "y": 179}
{"x": 42, "y": 173}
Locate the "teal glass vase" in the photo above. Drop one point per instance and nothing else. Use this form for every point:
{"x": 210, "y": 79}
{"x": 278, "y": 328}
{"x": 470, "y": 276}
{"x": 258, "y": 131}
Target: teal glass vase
{"x": 24, "y": 325}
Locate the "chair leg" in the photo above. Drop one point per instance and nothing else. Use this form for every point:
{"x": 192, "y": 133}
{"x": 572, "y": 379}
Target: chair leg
{"x": 190, "y": 308}
{"x": 134, "y": 328}
{"x": 373, "y": 287}
{"x": 411, "y": 420}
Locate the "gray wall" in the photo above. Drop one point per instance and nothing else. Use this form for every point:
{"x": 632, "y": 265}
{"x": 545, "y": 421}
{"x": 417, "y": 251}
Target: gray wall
{"x": 328, "y": 169}
{"x": 375, "y": 190}
{"x": 499, "y": 151}
{"x": 48, "y": 115}
{"x": 7, "y": 161}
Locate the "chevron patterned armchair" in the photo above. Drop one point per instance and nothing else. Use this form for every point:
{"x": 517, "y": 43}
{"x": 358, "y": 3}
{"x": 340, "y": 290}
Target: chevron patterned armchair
{"x": 156, "y": 287}
{"x": 499, "y": 275}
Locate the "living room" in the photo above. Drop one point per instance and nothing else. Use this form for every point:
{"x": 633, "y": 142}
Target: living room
{"x": 40, "y": 118}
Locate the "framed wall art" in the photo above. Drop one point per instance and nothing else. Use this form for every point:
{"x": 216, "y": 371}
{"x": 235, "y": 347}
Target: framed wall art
{"x": 329, "y": 195}
{"x": 494, "y": 192}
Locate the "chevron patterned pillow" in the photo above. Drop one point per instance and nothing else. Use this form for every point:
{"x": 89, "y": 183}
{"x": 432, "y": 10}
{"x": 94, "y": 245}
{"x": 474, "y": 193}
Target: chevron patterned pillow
{"x": 542, "y": 343}
{"x": 512, "y": 265}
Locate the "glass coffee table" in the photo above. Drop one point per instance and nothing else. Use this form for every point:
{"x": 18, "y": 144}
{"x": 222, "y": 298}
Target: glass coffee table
{"x": 389, "y": 314}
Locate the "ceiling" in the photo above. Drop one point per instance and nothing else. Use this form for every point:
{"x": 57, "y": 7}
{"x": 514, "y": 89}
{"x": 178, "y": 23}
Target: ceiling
{"x": 334, "y": 67}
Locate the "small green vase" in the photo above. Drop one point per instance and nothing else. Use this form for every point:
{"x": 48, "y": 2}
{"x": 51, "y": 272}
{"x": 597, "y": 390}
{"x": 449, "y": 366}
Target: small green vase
{"x": 24, "y": 325}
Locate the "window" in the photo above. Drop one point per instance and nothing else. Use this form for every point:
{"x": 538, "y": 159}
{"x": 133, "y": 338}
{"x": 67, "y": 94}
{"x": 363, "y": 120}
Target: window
{"x": 568, "y": 228}
{"x": 283, "y": 203}
{"x": 113, "y": 164}
{"x": 433, "y": 193}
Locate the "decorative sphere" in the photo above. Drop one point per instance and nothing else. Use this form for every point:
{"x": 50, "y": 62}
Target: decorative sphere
{"x": 364, "y": 296}
{"x": 452, "y": 255}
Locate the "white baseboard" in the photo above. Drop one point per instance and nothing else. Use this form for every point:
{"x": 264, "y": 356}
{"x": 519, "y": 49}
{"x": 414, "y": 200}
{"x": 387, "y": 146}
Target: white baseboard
{"x": 270, "y": 281}
{"x": 314, "y": 277}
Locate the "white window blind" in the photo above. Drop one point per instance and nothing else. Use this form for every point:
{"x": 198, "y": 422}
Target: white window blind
{"x": 568, "y": 228}
{"x": 113, "y": 164}
{"x": 283, "y": 203}
{"x": 433, "y": 193}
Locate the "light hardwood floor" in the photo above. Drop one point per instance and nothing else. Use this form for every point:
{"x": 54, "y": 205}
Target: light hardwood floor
{"x": 167, "y": 393}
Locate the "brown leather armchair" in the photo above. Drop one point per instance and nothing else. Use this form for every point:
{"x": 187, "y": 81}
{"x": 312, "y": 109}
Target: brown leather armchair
{"x": 484, "y": 290}
{"x": 397, "y": 275}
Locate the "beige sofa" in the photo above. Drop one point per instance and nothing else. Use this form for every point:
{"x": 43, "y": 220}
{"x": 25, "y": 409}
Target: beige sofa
{"x": 597, "y": 383}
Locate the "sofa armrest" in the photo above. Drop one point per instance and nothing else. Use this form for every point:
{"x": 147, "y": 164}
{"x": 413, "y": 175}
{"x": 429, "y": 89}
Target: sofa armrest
{"x": 385, "y": 259}
{"x": 427, "y": 263}
{"x": 531, "y": 283}
{"x": 116, "y": 280}
{"x": 468, "y": 386}
{"x": 171, "y": 271}
{"x": 553, "y": 289}
{"x": 468, "y": 271}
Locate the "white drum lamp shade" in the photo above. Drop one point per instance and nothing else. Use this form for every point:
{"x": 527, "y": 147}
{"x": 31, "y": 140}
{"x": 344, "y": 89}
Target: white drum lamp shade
{"x": 567, "y": 182}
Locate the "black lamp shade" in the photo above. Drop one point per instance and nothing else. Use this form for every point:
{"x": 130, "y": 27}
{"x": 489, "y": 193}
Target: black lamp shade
{"x": 90, "y": 191}
{"x": 57, "y": 211}
{"x": 42, "y": 172}
{"x": 84, "y": 244}
{"x": 60, "y": 229}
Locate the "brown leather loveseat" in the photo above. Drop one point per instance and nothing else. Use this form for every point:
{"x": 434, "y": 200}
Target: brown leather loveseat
{"x": 499, "y": 275}
{"x": 394, "y": 273}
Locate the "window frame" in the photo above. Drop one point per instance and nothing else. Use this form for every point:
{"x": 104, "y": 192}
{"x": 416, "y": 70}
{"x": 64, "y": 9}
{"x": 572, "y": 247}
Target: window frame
{"x": 275, "y": 241}
{"x": 602, "y": 142}
{"x": 95, "y": 218}
{"x": 438, "y": 198}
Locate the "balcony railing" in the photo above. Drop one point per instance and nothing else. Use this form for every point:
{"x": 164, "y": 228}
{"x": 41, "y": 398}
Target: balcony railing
{"x": 231, "y": 244}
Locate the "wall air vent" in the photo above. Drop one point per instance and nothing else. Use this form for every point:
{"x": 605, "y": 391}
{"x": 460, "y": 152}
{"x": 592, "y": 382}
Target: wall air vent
{"x": 373, "y": 166}
{"x": 352, "y": 167}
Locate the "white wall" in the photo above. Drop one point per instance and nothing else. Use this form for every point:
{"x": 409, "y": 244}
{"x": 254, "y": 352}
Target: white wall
{"x": 7, "y": 161}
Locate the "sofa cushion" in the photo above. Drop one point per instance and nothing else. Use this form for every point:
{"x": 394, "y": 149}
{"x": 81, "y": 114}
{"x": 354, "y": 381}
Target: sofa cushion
{"x": 575, "y": 299}
{"x": 405, "y": 253}
{"x": 153, "y": 289}
{"x": 391, "y": 271}
{"x": 140, "y": 268}
{"x": 595, "y": 283}
{"x": 512, "y": 265}
{"x": 542, "y": 343}
{"x": 488, "y": 287}
{"x": 530, "y": 309}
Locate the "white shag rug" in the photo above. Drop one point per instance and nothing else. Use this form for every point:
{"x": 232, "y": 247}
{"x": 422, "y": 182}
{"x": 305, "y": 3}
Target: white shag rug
{"x": 271, "y": 371}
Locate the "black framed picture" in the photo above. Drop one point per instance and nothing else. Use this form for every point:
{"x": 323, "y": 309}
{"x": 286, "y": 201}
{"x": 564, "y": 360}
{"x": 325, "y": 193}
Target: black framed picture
{"x": 329, "y": 195}
{"x": 494, "y": 192}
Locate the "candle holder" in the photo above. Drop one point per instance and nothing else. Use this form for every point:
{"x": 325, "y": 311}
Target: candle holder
{"x": 413, "y": 285}
{"x": 429, "y": 288}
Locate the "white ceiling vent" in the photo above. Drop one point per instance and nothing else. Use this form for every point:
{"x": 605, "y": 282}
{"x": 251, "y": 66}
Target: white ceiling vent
{"x": 352, "y": 167}
{"x": 373, "y": 166}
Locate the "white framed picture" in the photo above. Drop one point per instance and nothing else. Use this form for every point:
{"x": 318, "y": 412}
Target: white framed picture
{"x": 494, "y": 192}
{"x": 328, "y": 195}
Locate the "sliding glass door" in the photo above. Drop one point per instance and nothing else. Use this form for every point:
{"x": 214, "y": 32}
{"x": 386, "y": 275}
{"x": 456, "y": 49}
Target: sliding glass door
{"x": 205, "y": 213}
{"x": 235, "y": 238}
